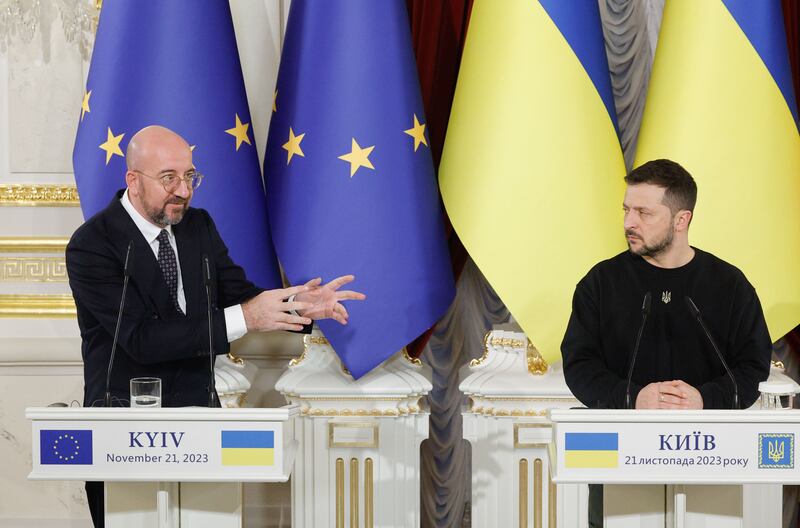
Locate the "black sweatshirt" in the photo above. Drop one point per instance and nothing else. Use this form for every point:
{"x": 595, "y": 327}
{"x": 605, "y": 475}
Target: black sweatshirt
{"x": 606, "y": 314}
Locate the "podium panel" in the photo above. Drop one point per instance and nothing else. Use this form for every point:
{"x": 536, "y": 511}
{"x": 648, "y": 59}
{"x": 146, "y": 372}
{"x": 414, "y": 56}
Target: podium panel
{"x": 679, "y": 468}
{"x": 165, "y": 467}
{"x": 675, "y": 447}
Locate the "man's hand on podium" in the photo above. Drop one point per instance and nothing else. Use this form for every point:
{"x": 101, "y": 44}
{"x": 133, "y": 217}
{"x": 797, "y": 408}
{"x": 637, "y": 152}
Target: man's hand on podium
{"x": 675, "y": 394}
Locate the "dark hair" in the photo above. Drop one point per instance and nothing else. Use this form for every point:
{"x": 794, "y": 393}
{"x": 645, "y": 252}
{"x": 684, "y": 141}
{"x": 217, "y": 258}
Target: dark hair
{"x": 681, "y": 190}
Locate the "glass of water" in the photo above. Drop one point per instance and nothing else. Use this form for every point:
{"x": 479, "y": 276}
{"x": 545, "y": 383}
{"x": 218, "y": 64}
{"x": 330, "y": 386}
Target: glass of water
{"x": 146, "y": 392}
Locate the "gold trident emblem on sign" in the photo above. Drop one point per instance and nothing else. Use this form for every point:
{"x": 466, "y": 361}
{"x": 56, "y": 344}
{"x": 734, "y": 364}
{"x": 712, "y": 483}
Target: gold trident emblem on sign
{"x": 775, "y": 451}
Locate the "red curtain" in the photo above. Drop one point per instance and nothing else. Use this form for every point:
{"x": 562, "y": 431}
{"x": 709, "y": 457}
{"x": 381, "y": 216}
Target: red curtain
{"x": 791, "y": 17}
{"x": 438, "y": 31}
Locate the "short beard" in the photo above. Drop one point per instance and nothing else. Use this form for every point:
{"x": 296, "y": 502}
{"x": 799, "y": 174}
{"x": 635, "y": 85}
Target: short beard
{"x": 654, "y": 250}
{"x": 162, "y": 219}
{"x": 159, "y": 216}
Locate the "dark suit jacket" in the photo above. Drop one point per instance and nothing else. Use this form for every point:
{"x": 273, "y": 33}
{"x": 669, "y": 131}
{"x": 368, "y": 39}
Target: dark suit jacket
{"x": 154, "y": 340}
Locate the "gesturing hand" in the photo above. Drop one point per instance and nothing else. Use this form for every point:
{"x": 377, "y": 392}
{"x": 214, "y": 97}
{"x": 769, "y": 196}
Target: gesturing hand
{"x": 268, "y": 310}
{"x": 324, "y": 302}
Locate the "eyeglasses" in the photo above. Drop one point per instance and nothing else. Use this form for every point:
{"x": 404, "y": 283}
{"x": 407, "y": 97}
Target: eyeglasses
{"x": 171, "y": 181}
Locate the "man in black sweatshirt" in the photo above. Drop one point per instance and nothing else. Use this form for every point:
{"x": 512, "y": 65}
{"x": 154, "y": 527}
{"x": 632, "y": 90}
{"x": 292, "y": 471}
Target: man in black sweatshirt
{"x": 676, "y": 367}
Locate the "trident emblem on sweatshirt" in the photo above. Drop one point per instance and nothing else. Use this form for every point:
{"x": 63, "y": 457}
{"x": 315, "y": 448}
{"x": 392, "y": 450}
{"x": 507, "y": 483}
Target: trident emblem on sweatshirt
{"x": 666, "y": 297}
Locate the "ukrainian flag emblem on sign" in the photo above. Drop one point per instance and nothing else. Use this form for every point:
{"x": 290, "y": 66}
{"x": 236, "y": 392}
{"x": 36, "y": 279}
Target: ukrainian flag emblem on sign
{"x": 591, "y": 450}
{"x": 248, "y": 448}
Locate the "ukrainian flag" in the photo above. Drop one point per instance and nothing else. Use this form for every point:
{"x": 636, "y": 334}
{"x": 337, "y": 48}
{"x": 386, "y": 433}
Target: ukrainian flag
{"x": 591, "y": 450}
{"x": 248, "y": 448}
{"x": 532, "y": 169}
{"x": 721, "y": 104}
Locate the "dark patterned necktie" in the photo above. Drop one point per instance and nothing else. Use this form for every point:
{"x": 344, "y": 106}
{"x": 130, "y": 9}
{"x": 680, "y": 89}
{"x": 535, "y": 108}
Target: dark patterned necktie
{"x": 169, "y": 267}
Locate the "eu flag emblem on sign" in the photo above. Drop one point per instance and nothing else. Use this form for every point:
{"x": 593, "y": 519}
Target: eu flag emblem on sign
{"x": 176, "y": 64}
{"x": 776, "y": 450}
{"x": 65, "y": 446}
{"x": 350, "y": 179}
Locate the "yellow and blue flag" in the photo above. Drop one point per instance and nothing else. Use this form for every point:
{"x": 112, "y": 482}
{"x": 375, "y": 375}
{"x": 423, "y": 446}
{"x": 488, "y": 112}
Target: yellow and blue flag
{"x": 62, "y": 446}
{"x": 532, "y": 170}
{"x": 350, "y": 180}
{"x": 248, "y": 448}
{"x": 591, "y": 450}
{"x": 176, "y": 64}
{"x": 721, "y": 104}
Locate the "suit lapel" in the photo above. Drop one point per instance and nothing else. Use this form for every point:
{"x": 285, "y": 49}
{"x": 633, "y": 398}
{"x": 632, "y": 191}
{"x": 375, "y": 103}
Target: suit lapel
{"x": 145, "y": 271}
{"x": 191, "y": 267}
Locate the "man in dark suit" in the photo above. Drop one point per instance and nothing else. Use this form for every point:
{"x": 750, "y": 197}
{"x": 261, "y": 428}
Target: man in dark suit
{"x": 164, "y": 326}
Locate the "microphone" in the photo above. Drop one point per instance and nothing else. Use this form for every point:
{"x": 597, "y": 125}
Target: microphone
{"x": 695, "y": 311}
{"x": 126, "y": 272}
{"x": 645, "y": 312}
{"x": 212, "y": 386}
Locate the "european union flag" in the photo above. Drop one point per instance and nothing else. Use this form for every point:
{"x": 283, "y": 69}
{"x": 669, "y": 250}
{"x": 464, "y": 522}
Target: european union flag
{"x": 65, "y": 446}
{"x": 350, "y": 181}
{"x": 176, "y": 64}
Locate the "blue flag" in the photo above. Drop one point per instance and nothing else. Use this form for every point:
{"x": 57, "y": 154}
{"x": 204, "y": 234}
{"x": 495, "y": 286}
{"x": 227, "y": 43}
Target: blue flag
{"x": 65, "y": 446}
{"x": 176, "y": 64}
{"x": 350, "y": 180}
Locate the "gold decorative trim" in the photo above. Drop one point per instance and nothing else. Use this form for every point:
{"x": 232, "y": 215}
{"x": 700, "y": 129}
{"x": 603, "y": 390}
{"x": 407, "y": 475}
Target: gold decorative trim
{"x": 523, "y": 493}
{"x": 369, "y": 496}
{"x": 33, "y": 269}
{"x": 518, "y": 426}
{"x": 536, "y": 363}
{"x": 314, "y": 340}
{"x": 316, "y": 412}
{"x": 778, "y": 365}
{"x": 235, "y": 359}
{"x": 552, "y": 502}
{"x": 299, "y": 359}
{"x": 413, "y": 361}
{"x": 45, "y": 195}
{"x": 332, "y": 426}
{"x": 353, "y": 493}
{"x": 339, "y": 493}
{"x": 479, "y": 361}
{"x": 45, "y": 306}
{"x": 537, "y": 493}
{"x": 33, "y": 245}
{"x": 353, "y": 398}
{"x": 507, "y": 342}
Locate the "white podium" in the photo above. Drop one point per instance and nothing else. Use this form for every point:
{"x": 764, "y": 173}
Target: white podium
{"x": 165, "y": 467}
{"x": 679, "y": 468}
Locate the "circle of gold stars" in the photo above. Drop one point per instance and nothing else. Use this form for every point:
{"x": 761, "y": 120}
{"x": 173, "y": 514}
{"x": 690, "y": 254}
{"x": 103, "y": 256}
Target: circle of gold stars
{"x": 240, "y": 131}
{"x": 358, "y": 156}
{"x": 66, "y": 440}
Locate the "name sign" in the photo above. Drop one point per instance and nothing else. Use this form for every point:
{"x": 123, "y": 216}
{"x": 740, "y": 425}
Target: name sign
{"x": 718, "y": 447}
{"x": 161, "y": 444}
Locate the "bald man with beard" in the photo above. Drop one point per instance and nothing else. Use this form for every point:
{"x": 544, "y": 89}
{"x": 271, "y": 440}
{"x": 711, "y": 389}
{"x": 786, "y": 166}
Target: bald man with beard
{"x": 164, "y": 327}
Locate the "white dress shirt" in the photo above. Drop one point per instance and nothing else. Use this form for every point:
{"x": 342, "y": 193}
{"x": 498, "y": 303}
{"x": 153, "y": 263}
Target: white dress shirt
{"x": 234, "y": 316}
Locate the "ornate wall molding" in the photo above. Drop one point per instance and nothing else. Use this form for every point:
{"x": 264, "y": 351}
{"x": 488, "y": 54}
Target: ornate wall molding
{"x": 33, "y": 269}
{"x": 45, "y": 306}
{"x": 45, "y": 195}
{"x": 33, "y": 245}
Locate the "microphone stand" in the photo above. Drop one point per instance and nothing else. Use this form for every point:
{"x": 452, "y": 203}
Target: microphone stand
{"x": 645, "y": 313}
{"x": 127, "y": 275}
